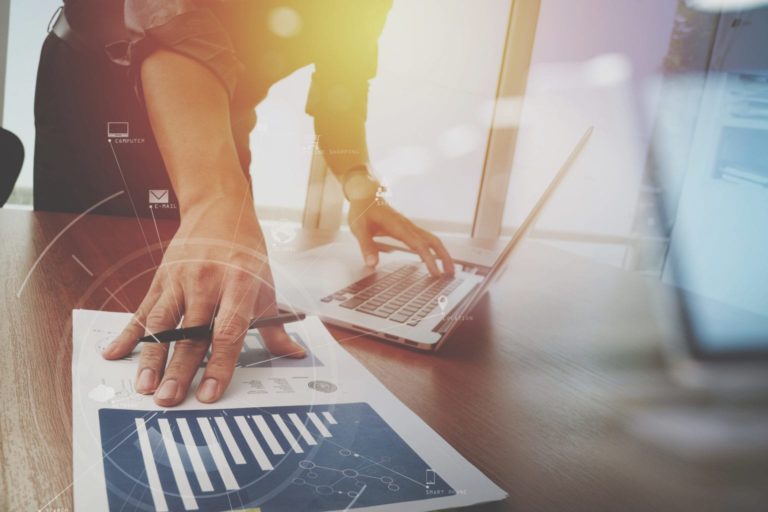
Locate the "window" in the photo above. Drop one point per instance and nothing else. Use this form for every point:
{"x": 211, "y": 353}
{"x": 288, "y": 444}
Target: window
{"x": 594, "y": 63}
{"x": 431, "y": 105}
{"x": 281, "y": 148}
{"x": 27, "y": 30}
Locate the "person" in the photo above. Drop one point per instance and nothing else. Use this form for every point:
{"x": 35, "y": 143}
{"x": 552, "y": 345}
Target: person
{"x": 13, "y": 158}
{"x": 200, "y": 67}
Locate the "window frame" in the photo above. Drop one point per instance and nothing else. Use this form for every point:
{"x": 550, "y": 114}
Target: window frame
{"x": 5, "y": 32}
{"x": 325, "y": 201}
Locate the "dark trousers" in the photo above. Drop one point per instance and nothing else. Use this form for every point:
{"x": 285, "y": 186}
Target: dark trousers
{"x": 80, "y": 158}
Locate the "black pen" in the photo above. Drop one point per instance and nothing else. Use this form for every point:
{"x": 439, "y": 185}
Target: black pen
{"x": 205, "y": 331}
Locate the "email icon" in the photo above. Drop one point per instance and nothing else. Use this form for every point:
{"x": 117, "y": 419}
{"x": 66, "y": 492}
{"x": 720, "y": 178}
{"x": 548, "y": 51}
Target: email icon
{"x": 158, "y": 197}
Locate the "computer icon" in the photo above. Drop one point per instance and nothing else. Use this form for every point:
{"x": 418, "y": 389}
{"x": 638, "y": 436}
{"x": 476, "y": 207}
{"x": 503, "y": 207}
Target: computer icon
{"x": 117, "y": 129}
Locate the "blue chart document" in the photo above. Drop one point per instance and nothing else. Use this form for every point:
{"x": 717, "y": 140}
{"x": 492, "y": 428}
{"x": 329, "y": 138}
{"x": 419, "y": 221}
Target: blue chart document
{"x": 316, "y": 458}
{"x": 317, "y": 434}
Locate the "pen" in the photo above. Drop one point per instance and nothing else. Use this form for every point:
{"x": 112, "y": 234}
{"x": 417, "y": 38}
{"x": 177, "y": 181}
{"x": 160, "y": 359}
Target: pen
{"x": 205, "y": 331}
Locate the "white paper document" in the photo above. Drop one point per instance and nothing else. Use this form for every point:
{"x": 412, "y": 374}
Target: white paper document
{"x": 315, "y": 434}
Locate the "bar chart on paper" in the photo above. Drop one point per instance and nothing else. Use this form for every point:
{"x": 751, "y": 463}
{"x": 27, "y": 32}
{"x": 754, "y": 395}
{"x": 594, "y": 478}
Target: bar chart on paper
{"x": 298, "y": 458}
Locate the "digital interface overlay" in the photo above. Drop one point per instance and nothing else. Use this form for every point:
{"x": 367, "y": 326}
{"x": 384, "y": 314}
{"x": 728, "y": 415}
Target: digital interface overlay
{"x": 309, "y": 458}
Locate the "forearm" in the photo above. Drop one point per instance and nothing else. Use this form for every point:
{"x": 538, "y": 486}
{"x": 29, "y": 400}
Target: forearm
{"x": 189, "y": 111}
{"x": 343, "y": 143}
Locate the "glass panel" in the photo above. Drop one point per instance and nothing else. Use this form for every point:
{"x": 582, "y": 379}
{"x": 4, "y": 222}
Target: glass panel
{"x": 282, "y": 146}
{"x": 595, "y": 63}
{"x": 28, "y": 24}
{"x": 430, "y": 105}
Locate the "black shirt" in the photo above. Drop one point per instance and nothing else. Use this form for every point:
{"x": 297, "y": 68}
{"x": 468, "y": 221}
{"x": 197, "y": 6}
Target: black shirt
{"x": 100, "y": 20}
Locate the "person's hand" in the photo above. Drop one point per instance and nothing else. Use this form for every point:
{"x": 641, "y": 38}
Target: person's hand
{"x": 370, "y": 218}
{"x": 214, "y": 270}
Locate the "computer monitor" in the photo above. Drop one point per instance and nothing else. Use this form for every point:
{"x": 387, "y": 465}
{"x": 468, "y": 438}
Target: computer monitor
{"x": 117, "y": 129}
{"x": 713, "y": 181}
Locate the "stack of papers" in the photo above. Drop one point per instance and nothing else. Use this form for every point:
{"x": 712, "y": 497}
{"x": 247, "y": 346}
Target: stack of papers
{"x": 314, "y": 434}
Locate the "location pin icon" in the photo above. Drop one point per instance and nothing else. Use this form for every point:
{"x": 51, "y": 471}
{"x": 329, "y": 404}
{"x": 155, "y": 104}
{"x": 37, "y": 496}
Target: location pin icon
{"x": 442, "y": 301}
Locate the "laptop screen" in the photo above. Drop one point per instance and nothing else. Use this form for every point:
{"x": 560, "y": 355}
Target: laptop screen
{"x": 712, "y": 162}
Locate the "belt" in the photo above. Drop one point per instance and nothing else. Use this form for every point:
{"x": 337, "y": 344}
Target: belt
{"x": 64, "y": 31}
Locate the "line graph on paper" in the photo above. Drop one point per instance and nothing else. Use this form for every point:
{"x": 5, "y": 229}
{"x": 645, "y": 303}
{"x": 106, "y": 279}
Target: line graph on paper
{"x": 310, "y": 458}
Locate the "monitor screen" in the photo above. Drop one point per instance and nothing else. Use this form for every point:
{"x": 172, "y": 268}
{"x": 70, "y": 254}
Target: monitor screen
{"x": 712, "y": 161}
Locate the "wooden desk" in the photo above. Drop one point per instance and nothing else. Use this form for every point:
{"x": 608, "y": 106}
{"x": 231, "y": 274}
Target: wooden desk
{"x": 535, "y": 390}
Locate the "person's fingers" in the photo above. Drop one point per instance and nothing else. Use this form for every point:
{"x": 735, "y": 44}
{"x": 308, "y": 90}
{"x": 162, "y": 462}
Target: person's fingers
{"x": 187, "y": 355}
{"x": 181, "y": 370}
{"x": 163, "y": 316}
{"x": 264, "y": 290}
{"x": 280, "y": 344}
{"x": 437, "y": 245}
{"x": 275, "y": 338}
{"x": 126, "y": 341}
{"x": 227, "y": 342}
{"x": 421, "y": 246}
{"x": 402, "y": 229}
{"x": 128, "y": 338}
{"x": 277, "y": 341}
{"x": 367, "y": 245}
{"x": 237, "y": 304}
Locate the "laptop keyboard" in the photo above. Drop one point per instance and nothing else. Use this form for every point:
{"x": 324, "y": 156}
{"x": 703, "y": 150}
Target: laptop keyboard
{"x": 405, "y": 295}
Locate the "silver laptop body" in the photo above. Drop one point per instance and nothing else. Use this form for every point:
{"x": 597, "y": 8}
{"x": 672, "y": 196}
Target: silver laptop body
{"x": 398, "y": 301}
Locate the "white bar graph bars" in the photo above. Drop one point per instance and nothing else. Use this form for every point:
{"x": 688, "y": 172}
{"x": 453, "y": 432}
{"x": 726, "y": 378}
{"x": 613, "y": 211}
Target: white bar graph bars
{"x": 302, "y": 429}
{"x": 219, "y": 437}
{"x": 177, "y": 467}
{"x": 319, "y": 425}
{"x": 295, "y": 446}
{"x": 218, "y": 455}
{"x": 269, "y": 437}
{"x": 229, "y": 440}
{"x": 158, "y": 497}
{"x": 253, "y": 443}
{"x": 194, "y": 456}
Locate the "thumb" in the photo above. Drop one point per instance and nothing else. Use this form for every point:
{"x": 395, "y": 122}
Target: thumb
{"x": 279, "y": 343}
{"x": 276, "y": 340}
{"x": 368, "y": 247}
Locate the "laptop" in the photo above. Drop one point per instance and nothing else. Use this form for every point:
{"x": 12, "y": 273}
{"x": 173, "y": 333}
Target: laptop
{"x": 399, "y": 301}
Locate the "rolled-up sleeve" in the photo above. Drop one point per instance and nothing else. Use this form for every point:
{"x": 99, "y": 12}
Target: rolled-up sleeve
{"x": 186, "y": 27}
{"x": 348, "y": 60}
